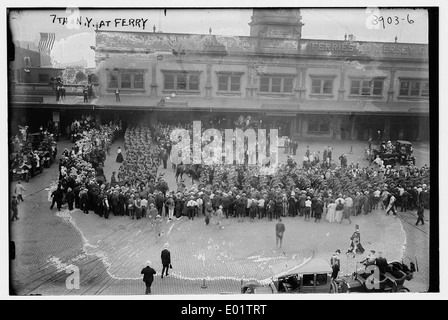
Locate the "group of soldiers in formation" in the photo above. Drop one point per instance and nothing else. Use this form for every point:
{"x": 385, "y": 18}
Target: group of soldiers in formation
{"x": 140, "y": 190}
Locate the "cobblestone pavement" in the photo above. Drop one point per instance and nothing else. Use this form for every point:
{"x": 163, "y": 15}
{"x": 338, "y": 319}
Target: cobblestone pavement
{"x": 111, "y": 253}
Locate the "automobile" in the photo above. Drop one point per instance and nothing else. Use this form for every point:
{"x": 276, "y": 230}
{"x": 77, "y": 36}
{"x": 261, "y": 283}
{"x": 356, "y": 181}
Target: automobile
{"x": 22, "y": 172}
{"x": 404, "y": 149}
{"x": 311, "y": 276}
{"x": 392, "y": 280}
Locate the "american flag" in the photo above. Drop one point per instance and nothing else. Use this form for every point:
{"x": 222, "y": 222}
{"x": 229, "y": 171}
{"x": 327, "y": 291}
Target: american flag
{"x": 46, "y": 41}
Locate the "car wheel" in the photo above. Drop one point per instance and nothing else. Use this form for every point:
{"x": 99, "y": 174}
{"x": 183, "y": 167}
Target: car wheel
{"x": 403, "y": 289}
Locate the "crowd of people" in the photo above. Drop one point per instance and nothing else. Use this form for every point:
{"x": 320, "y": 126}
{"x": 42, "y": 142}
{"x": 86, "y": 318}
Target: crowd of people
{"x": 81, "y": 177}
{"x": 333, "y": 193}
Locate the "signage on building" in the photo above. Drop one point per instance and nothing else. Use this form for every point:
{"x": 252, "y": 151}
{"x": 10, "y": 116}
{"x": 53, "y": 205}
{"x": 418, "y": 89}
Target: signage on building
{"x": 383, "y": 50}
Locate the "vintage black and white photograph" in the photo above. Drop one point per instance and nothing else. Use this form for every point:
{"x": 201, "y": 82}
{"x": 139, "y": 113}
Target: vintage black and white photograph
{"x": 186, "y": 151}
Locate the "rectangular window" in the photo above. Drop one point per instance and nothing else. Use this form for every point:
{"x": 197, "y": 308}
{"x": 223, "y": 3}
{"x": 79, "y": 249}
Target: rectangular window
{"x": 354, "y": 89}
{"x": 181, "y": 81}
{"x": 193, "y": 83}
{"x": 223, "y": 82}
{"x": 425, "y": 89}
{"x": 377, "y": 87}
{"x": 169, "y": 82}
{"x": 287, "y": 85}
{"x": 276, "y": 84}
{"x": 414, "y": 88}
{"x": 321, "y": 279}
{"x": 404, "y": 88}
{"x": 366, "y": 87}
{"x": 229, "y": 82}
{"x": 139, "y": 82}
{"x": 315, "y": 86}
{"x": 235, "y": 83}
{"x": 264, "y": 84}
{"x": 308, "y": 280}
{"x": 112, "y": 81}
{"x": 322, "y": 86}
{"x": 327, "y": 87}
{"x": 126, "y": 80}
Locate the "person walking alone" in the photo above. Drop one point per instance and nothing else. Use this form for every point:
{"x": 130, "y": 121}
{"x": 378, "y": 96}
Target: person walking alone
{"x": 14, "y": 208}
{"x": 148, "y": 276}
{"x": 279, "y": 231}
{"x": 420, "y": 214}
{"x": 19, "y": 191}
{"x": 166, "y": 260}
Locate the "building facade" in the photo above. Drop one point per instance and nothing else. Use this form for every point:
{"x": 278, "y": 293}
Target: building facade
{"x": 306, "y": 88}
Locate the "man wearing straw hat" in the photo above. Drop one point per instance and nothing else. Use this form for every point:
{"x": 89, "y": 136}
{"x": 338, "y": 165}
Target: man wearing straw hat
{"x": 148, "y": 276}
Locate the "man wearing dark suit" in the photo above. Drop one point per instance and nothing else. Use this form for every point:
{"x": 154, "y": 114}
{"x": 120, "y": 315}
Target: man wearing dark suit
{"x": 148, "y": 276}
{"x": 381, "y": 263}
{"x": 166, "y": 260}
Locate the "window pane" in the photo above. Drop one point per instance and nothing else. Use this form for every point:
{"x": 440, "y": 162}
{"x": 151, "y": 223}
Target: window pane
{"x": 378, "y": 87}
{"x": 194, "y": 83}
{"x": 425, "y": 89}
{"x": 276, "y": 84}
{"x": 308, "y": 280}
{"x": 112, "y": 81}
{"x": 126, "y": 80}
{"x": 315, "y": 86}
{"x": 328, "y": 87}
{"x": 181, "y": 82}
{"x": 264, "y": 84}
{"x": 235, "y": 83}
{"x": 404, "y": 88}
{"x": 366, "y": 86}
{"x": 321, "y": 279}
{"x": 138, "y": 81}
{"x": 223, "y": 83}
{"x": 415, "y": 88}
{"x": 354, "y": 89}
{"x": 169, "y": 81}
{"x": 287, "y": 85}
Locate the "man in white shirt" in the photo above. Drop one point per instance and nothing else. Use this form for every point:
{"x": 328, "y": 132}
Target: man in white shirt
{"x": 261, "y": 208}
{"x": 190, "y": 208}
{"x": 144, "y": 205}
{"x": 307, "y": 208}
{"x": 376, "y": 198}
{"x": 19, "y": 191}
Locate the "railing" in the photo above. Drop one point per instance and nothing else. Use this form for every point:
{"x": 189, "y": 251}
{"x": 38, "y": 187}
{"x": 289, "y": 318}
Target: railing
{"x": 46, "y": 89}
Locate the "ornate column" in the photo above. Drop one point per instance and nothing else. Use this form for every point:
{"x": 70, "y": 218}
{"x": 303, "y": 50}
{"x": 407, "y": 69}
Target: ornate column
{"x": 341, "y": 90}
{"x": 297, "y": 89}
{"x": 251, "y": 87}
{"x": 208, "y": 85}
{"x": 390, "y": 93}
{"x": 302, "y": 83}
{"x": 153, "y": 93}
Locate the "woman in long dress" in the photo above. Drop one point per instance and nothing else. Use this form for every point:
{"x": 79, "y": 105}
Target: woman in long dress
{"x": 331, "y": 211}
{"x": 119, "y": 156}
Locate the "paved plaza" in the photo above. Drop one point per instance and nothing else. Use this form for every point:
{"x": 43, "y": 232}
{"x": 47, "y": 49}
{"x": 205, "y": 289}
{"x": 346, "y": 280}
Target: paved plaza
{"x": 111, "y": 253}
